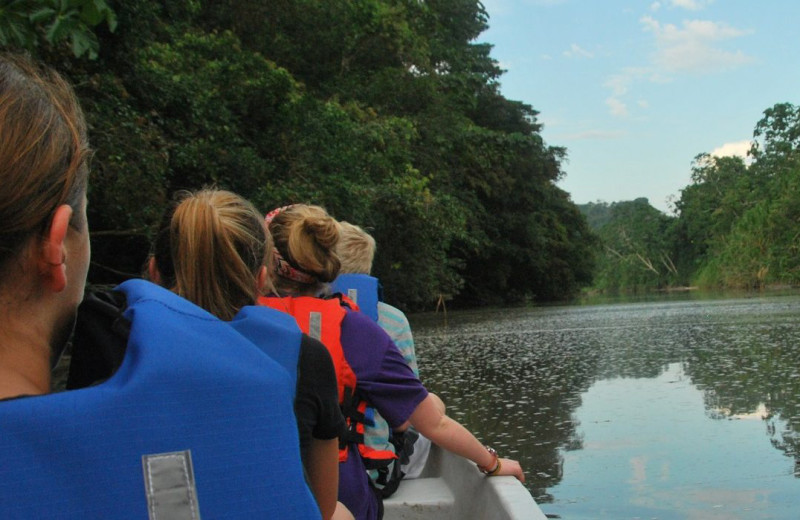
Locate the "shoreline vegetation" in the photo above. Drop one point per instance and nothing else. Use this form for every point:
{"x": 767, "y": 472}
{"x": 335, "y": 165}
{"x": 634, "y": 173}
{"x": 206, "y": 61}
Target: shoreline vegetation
{"x": 734, "y": 227}
{"x": 594, "y": 297}
{"x": 390, "y": 115}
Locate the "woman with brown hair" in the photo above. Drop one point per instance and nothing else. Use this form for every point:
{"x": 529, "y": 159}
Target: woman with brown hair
{"x": 44, "y": 238}
{"x": 305, "y": 262}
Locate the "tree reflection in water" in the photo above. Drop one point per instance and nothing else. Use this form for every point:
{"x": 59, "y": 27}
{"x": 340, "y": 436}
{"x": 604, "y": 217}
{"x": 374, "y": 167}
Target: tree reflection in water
{"x": 517, "y": 377}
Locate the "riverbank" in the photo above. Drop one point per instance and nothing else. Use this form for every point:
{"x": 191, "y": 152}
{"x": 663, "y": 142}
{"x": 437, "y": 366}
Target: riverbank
{"x": 678, "y": 293}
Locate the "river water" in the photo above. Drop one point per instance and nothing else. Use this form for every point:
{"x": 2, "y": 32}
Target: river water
{"x": 660, "y": 410}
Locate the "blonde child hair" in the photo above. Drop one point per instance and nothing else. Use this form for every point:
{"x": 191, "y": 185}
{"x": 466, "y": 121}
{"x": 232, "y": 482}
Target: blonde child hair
{"x": 356, "y": 249}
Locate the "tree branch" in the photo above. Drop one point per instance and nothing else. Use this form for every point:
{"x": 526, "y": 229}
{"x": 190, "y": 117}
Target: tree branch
{"x": 647, "y": 263}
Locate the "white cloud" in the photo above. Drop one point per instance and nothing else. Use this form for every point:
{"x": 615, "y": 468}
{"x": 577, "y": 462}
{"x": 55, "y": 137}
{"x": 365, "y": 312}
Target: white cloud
{"x": 738, "y": 148}
{"x": 621, "y": 82}
{"x": 695, "y": 46}
{"x": 692, "y": 47}
{"x": 692, "y": 5}
{"x": 576, "y": 51}
{"x": 617, "y": 107}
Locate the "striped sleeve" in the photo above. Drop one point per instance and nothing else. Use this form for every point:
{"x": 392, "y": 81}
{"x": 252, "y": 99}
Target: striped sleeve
{"x": 394, "y": 322}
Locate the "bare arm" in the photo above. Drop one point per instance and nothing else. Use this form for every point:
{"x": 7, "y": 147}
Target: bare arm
{"x": 429, "y": 420}
{"x": 322, "y": 467}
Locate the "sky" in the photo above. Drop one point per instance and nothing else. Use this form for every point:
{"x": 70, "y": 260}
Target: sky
{"x": 635, "y": 89}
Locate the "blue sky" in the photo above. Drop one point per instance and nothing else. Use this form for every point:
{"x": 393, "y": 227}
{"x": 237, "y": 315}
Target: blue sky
{"x": 636, "y": 89}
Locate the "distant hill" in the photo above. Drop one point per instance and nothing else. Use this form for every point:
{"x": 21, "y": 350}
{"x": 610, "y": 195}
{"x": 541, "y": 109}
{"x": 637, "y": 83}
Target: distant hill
{"x": 599, "y": 213}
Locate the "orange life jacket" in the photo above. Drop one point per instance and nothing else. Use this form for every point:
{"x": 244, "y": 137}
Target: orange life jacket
{"x": 321, "y": 318}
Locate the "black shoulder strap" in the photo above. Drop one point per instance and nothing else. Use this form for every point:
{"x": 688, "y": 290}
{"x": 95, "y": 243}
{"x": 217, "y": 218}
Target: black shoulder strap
{"x": 100, "y": 339}
{"x": 342, "y": 298}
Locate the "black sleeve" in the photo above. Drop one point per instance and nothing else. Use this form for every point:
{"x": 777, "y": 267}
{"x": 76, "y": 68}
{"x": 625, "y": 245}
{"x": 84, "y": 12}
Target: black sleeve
{"x": 317, "y": 402}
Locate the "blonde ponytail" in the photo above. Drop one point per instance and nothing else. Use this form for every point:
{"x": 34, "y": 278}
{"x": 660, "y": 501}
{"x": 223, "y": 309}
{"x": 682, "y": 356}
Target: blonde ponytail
{"x": 217, "y": 244}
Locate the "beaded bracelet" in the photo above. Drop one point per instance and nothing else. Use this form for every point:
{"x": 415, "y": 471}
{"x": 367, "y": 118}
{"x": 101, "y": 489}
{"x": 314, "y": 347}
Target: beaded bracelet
{"x": 497, "y": 465}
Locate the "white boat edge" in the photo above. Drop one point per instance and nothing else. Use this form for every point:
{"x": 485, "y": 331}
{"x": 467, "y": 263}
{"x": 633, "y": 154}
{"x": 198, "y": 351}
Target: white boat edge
{"x": 451, "y": 487}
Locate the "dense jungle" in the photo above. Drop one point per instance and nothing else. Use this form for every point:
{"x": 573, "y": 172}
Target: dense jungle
{"x": 389, "y": 114}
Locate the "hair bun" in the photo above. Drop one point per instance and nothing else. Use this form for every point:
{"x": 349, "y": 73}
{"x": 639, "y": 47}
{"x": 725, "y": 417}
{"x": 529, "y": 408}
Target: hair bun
{"x": 309, "y": 236}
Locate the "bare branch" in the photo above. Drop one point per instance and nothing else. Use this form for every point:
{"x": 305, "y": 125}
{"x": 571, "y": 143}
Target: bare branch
{"x": 667, "y": 261}
{"x": 615, "y": 252}
{"x": 647, "y": 263}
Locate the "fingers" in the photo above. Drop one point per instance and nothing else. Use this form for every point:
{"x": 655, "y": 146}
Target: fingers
{"x": 512, "y": 468}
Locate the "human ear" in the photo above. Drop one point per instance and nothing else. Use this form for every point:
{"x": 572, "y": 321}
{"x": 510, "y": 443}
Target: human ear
{"x": 53, "y": 253}
{"x": 152, "y": 271}
{"x": 262, "y": 280}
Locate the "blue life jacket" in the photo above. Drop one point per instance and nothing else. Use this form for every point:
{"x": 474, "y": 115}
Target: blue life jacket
{"x": 281, "y": 342}
{"x": 363, "y": 289}
{"x": 195, "y": 401}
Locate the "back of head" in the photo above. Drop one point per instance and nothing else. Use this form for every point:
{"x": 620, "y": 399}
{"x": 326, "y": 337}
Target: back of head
{"x": 305, "y": 237}
{"x": 210, "y": 248}
{"x": 356, "y": 249}
{"x": 44, "y": 151}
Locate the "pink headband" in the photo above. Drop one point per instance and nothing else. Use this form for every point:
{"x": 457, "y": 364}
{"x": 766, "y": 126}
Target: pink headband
{"x": 271, "y": 215}
{"x": 282, "y": 266}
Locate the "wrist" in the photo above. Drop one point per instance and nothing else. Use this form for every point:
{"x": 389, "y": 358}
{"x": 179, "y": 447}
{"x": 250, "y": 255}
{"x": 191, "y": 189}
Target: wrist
{"x": 492, "y": 468}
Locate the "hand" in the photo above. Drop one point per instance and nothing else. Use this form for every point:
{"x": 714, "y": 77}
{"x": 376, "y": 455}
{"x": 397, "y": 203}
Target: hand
{"x": 512, "y": 468}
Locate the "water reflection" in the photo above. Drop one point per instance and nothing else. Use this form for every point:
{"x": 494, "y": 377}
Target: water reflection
{"x": 665, "y": 410}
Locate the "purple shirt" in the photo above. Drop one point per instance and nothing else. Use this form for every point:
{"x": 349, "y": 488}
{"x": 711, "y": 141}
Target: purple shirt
{"x": 389, "y": 385}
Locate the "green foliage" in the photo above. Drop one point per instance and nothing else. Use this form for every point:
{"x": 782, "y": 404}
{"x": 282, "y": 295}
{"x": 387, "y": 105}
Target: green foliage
{"x": 736, "y": 224}
{"x": 741, "y": 220}
{"x": 597, "y": 214}
{"x": 777, "y": 134}
{"x": 389, "y": 114}
{"x": 127, "y": 189}
{"x": 212, "y": 99}
{"x": 26, "y": 24}
{"x": 16, "y": 29}
{"x": 386, "y": 112}
{"x": 636, "y": 251}
{"x": 720, "y": 193}
{"x": 414, "y": 231}
{"x": 742, "y": 258}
